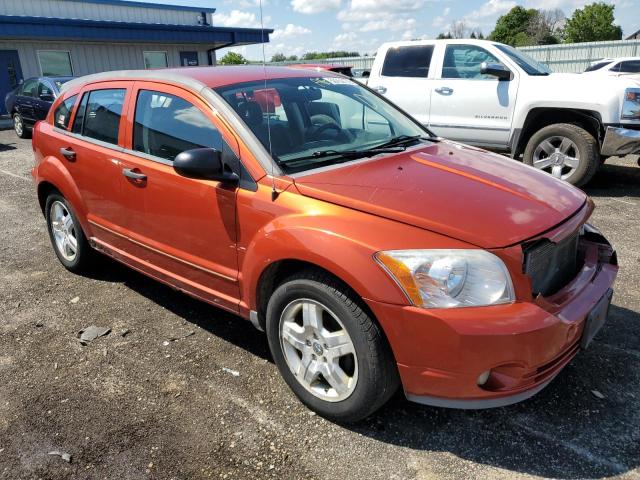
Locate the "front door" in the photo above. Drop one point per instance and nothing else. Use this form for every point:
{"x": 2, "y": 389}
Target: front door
{"x": 10, "y": 75}
{"x": 189, "y": 59}
{"x": 183, "y": 229}
{"x": 468, "y": 106}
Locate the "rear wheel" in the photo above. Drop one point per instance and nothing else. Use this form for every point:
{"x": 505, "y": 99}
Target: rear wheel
{"x": 564, "y": 150}
{"x": 68, "y": 239}
{"x": 19, "y": 127}
{"x": 330, "y": 352}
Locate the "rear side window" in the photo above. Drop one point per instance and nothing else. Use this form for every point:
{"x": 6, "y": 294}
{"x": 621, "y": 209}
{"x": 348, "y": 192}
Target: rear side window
{"x": 62, "y": 114}
{"x": 166, "y": 125}
{"x": 410, "y": 61}
{"x": 630, "y": 66}
{"x": 101, "y": 114}
{"x": 596, "y": 66}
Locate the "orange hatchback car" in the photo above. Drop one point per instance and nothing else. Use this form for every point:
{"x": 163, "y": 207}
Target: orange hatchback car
{"x": 372, "y": 253}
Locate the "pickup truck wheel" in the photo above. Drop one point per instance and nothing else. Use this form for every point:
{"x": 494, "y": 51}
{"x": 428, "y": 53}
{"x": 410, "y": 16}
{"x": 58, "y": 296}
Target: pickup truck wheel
{"x": 19, "y": 127}
{"x": 330, "y": 352}
{"x": 68, "y": 239}
{"x": 566, "y": 151}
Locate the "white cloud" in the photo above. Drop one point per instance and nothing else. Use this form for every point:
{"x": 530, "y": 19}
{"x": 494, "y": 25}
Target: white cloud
{"x": 309, "y": 7}
{"x": 492, "y": 8}
{"x": 290, "y": 30}
{"x": 236, "y": 18}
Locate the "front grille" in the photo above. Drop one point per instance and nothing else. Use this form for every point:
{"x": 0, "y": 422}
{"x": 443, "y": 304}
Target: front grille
{"x": 551, "y": 265}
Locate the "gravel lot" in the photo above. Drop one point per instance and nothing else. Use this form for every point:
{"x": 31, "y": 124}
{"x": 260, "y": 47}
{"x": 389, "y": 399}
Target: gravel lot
{"x": 162, "y": 401}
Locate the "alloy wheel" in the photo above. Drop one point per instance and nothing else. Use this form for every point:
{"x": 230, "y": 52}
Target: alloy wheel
{"x": 64, "y": 231}
{"x": 17, "y": 125}
{"x": 318, "y": 350}
{"x": 558, "y": 156}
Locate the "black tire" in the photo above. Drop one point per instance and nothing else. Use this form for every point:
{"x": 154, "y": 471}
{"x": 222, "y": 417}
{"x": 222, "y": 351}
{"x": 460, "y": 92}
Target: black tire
{"x": 19, "y": 127}
{"x": 84, "y": 255}
{"x": 377, "y": 378}
{"x": 586, "y": 144}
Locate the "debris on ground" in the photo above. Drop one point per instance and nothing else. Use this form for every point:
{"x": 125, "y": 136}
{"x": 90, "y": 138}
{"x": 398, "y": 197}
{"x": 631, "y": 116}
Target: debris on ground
{"x": 181, "y": 337}
{"x": 75, "y": 299}
{"x": 235, "y": 373}
{"x": 125, "y": 332}
{"x": 91, "y": 333}
{"x": 597, "y": 394}
{"x": 64, "y": 455}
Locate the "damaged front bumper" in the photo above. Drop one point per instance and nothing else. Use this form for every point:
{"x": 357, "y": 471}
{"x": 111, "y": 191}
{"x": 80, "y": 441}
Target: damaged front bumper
{"x": 619, "y": 141}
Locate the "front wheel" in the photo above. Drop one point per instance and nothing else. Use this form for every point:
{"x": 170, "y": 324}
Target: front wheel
{"x": 19, "y": 127}
{"x": 330, "y": 352}
{"x": 564, "y": 150}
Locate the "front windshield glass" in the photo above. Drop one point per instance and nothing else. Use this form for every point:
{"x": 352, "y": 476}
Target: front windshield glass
{"x": 309, "y": 122}
{"x": 524, "y": 61}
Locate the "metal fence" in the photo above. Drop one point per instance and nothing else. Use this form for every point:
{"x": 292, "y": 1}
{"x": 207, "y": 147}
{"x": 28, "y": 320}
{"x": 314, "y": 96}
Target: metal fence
{"x": 572, "y": 57}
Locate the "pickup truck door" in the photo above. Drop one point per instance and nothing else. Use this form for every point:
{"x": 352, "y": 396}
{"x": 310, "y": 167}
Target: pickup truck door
{"x": 468, "y": 106}
{"x": 404, "y": 79}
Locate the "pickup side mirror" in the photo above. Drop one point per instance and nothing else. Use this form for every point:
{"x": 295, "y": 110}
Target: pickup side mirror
{"x": 204, "y": 164}
{"x": 496, "y": 70}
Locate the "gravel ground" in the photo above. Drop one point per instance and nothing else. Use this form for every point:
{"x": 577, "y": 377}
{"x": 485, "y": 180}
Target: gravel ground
{"x": 181, "y": 390}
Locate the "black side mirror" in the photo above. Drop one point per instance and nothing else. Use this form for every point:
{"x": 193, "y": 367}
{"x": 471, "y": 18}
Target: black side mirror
{"x": 496, "y": 70}
{"x": 366, "y": 74}
{"x": 204, "y": 164}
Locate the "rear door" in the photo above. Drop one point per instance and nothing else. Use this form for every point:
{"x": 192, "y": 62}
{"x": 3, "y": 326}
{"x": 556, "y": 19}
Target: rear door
{"x": 405, "y": 79}
{"x": 25, "y": 104}
{"x": 183, "y": 229}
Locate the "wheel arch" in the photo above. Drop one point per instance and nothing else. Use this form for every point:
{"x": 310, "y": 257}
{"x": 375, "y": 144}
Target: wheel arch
{"x": 540, "y": 117}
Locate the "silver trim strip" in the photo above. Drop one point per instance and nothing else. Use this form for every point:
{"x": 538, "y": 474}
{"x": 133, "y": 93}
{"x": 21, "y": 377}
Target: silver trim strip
{"x": 253, "y": 316}
{"x": 469, "y": 127}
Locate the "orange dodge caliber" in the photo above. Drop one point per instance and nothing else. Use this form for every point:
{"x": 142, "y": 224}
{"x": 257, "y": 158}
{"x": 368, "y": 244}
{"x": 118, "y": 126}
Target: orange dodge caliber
{"x": 374, "y": 254}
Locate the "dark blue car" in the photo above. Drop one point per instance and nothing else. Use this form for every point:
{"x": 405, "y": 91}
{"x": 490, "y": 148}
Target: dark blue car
{"x": 30, "y": 101}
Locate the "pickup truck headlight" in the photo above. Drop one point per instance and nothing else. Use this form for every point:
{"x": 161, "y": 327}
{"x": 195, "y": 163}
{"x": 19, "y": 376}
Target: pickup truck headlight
{"x": 449, "y": 278}
{"x": 631, "y": 104}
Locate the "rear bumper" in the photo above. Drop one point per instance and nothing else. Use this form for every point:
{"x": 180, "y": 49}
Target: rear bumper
{"x": 442, "y": 353}
{"x": 619, "y": 141}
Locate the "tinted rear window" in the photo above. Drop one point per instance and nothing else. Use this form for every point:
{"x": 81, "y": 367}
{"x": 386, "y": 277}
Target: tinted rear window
{"x": 102, "y": 115}
{"x": 410, "y": 61}
{"x": 630, "y": 66}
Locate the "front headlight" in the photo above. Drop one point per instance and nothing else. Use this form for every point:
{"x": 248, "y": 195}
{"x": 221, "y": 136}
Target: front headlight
{"x": 449, "y": 278}
{"x": 631, "y": 104}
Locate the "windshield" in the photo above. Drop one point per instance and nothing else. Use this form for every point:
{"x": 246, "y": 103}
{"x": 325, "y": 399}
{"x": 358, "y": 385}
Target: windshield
{"x": 524, "y": 61}
{"x": 597, "y": 66}
{"x": 308, "y": 122}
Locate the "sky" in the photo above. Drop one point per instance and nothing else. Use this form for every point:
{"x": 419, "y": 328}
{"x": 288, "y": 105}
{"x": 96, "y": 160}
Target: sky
{"x": 362, "y": 25}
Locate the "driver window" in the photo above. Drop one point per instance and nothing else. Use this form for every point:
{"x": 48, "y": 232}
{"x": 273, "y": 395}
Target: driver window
{"x": 44, "y": 90}
{"x": 463, "y": 61}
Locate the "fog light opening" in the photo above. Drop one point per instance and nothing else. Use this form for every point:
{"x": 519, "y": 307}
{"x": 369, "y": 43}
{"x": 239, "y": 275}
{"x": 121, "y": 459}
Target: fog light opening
{"x": 484, "y": 376}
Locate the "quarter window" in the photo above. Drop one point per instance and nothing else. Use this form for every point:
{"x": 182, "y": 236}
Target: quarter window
{"x": 62, "y": 114}
{"x": 101, "y": 115}
{"x": 463, "y": 61}
{"x": 410, "y": 61}
{"x": 155, "y": 60}
{"x": 55, "y": 63}
{"x": 166, "y": 125}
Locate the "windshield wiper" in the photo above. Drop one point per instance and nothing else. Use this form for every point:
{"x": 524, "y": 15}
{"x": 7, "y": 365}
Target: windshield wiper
{"x": 401, "y": 140}
{"x": 344, "y": 154}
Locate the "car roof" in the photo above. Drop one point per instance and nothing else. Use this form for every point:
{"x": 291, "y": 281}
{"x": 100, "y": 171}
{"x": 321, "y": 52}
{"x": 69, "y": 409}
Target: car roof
{"x": 197, "y": 78}
{"x": 321, "y": 66}
{"x": 466, "y": 41}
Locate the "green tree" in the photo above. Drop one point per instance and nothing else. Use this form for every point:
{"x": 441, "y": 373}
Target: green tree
{"x": 233, "y": 58}
{"x": 278, "y": 57}
{"x": 293, "y": 58}
{"x": 444, "y": 36}
{"x": 511, "y": 28}
{"x": 592, "y": 23}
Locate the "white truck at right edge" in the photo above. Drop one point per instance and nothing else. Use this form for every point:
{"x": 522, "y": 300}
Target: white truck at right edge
{"x": 493, "y": 96}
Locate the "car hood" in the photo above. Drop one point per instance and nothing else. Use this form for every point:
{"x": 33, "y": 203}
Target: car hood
{"x": 458, "y": 191}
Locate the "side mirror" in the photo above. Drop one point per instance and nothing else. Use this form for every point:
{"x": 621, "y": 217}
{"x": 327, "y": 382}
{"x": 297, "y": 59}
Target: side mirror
{"x": 496, "y": 70}
{"x": 366, "y": 74}
{"x": 204, "y": 164}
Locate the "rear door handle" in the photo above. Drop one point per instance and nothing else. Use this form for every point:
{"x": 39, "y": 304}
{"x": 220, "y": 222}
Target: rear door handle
{"x": 133, "y": 175}
{"x": 444, "y": 90}
{"x": 380, "y": 89}
{"x": 68, "y": 153}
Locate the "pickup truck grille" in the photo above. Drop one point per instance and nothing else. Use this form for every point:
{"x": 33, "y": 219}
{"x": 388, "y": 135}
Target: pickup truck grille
{"x": 551, "y": 265}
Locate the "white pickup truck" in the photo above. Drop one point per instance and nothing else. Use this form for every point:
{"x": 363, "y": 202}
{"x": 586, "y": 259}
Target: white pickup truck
{"x": 494, "y": 96}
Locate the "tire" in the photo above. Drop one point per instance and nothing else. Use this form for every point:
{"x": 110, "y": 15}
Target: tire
{"x": 370, "y": 368}
{"x": 79, "y": 259}
{"x": 19, "y": 127}
{"x": 567, "y": 151}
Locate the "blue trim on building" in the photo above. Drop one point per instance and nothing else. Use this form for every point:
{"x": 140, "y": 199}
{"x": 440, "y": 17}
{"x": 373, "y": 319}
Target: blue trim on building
{"x": 159, "y": 6}
{"x": 43, "y": 28}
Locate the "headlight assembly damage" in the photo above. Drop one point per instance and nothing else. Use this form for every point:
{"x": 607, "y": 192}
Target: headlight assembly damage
{"x": 449, "y": 278}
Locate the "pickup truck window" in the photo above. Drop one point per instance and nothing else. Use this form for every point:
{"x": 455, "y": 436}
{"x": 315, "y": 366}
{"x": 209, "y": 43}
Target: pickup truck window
{"x": 102, "y": 115}
{"x": 463, "y": 61}
{"x": 166, "y": 125}
{"x": 628, "y": 66}
{"x": 62, "y": 115}
{"x": 412, "y": 61}
{"x": 597, "y": 66}
{"x": 524, "y": 61}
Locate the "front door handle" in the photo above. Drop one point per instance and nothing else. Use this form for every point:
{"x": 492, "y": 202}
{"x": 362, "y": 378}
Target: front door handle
{"x": 444, "y": 90}
{"x": 380, "y": 89}
{"x": 68, "y": 153}
{"x": 133, "y": 175}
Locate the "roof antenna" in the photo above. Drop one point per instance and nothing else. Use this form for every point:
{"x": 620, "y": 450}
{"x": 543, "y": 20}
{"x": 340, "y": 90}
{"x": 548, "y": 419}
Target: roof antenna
{"x": 274, "y": 192}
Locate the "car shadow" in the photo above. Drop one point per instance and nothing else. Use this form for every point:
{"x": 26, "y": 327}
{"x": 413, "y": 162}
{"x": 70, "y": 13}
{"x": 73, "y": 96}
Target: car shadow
{"x": 6, "y": 147}
{"x": 615, "y": 181}
{"x": 565, "y": 431}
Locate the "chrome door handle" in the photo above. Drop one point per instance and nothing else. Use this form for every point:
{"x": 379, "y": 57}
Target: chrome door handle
{"x": 68, "y": 153}
{"x": 380, "y": 89}
{"x": 444, "y": 90}
{"x": 133, "y": 175}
